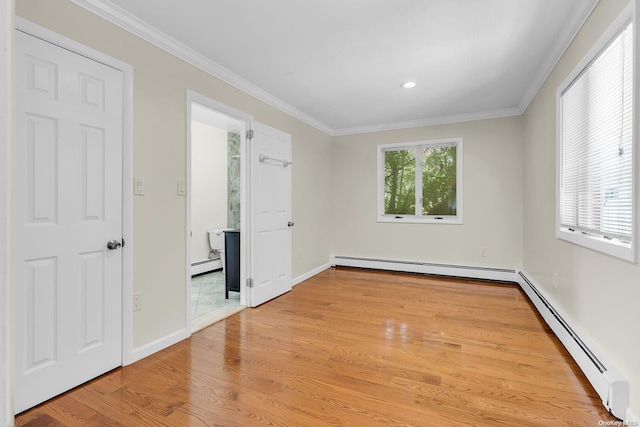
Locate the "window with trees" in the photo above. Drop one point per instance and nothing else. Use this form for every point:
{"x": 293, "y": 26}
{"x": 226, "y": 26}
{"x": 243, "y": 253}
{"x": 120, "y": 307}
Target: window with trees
{"x": 420, "y": 182}
{"x": 596, "y": 176}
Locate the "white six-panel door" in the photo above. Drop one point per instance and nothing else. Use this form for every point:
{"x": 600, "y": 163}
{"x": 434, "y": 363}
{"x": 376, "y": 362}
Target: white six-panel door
{"x": 68, "y": 205}
{"x": 270, "y": 214}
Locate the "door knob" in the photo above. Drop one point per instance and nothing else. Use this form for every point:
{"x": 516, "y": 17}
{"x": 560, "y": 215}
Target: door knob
{"x": 290, "y": 223}
{"x": 113, "y": 244}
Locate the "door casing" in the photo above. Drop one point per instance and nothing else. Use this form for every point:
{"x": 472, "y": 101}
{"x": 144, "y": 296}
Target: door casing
{"x": 6, "y": 284}
{"x": 246, "y": 122}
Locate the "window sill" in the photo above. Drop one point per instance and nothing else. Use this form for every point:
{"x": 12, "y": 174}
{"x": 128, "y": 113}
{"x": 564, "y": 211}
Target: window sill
{"x": 412, "y": 219}
{"x": 614, "y": 248}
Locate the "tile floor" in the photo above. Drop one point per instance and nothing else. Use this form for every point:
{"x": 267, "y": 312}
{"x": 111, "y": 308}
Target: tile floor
{"x": 207, "y": 300}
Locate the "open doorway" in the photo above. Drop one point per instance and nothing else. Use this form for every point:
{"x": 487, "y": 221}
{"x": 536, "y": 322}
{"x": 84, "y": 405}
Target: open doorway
{"x": 215, "y": 213}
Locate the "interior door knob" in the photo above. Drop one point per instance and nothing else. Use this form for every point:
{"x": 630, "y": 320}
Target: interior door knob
{"x": 113, "y": 244}
{"x": 290, "y": 223}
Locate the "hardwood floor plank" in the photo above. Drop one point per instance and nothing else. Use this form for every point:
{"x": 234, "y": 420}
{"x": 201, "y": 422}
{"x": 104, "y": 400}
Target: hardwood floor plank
{"x": 351, "y": 347}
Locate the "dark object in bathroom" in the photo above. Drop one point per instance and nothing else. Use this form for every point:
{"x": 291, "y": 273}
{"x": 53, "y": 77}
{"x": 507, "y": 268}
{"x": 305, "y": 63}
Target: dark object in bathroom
{"x": 232, "y": 262}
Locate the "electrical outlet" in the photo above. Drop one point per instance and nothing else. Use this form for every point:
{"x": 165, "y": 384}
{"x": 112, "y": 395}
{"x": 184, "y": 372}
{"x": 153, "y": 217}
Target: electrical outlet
{"x": 137, "y": 301}
{"x": 484, "y": 252}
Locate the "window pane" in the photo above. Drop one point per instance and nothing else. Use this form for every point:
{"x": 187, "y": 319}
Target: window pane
{"x": 439, "y": 181}
{"x": 597, "y": 144}
{"x": 400, "y": 182}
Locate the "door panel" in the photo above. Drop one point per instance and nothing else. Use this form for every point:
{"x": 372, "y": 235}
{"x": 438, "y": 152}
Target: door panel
{"x": 68, "y": 204}
{"x": 93, "y": 147}
{"x": 271, "y": 213}
{"x": 92, "y": 283}
{"x": 42, "y": 312}
{"x": 42, "y": 166}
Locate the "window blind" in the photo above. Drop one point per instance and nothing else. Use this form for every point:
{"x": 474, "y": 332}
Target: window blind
{"x": 597, "y": 143}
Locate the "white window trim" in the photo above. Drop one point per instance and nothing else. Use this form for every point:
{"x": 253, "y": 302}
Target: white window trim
{"x": 614, "y": 248}
{"x": 421, "y": 219}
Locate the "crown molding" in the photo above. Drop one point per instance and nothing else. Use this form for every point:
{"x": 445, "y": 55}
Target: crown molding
{"x": 564, "y": 40}
{"x": 141, "y": 29}
{"x": 433, "y": 121}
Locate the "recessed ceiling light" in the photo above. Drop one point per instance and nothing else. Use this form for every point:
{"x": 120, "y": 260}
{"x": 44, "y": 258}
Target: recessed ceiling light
{"x": 408, "y": 85}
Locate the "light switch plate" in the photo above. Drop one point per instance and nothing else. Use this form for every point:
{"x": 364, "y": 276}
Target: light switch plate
{"x": 137, "y": 301}
{"x": 182, "y": 188}
{"x": 138, "y": 186}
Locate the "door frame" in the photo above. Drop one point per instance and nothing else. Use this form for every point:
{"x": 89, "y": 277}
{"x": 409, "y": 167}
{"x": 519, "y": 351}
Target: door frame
{"x": 6, "y": 148}
{"x": 127, "y": 167}
{"x": 246, "y": 121}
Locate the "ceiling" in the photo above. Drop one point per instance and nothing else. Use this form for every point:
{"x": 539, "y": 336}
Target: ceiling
{"x": 338, "y": 64}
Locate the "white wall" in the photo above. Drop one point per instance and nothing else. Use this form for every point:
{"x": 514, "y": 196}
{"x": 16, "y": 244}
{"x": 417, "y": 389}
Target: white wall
{"x": 492, "y": 199}
{"x": 208, "y": 186}
{"x": 599, "y": 293}
{"x": 160, "y": 85}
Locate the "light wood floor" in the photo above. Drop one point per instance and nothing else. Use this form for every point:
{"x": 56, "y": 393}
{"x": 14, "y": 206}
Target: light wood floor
{"x": 352, "y": 348}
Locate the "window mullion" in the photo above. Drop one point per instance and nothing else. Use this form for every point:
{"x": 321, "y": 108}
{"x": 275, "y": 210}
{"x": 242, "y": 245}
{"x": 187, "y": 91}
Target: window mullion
{"x": 419, "y": 152}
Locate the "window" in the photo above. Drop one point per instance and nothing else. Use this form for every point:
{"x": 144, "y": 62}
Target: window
{"x": 420, "y": 182}
{"x": 595, "y": 197}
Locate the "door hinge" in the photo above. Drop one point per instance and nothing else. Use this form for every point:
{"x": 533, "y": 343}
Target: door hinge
{"x": 250, "y": 134}
{"x": 249, "y": 283}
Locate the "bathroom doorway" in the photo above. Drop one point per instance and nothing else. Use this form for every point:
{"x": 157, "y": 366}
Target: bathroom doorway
{"x": 215, "y": 211}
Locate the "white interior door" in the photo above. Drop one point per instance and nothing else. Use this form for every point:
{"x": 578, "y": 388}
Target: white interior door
{"x": 68, "y": 205}
{"x": 270, "y": 214}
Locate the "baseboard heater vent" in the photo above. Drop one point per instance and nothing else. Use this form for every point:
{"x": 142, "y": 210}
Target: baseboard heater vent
{"x": 449, "y": 270}
{"x": 206, "y": 261}
{"x": 609, "y": 383}
{"x": 205, "y": 266}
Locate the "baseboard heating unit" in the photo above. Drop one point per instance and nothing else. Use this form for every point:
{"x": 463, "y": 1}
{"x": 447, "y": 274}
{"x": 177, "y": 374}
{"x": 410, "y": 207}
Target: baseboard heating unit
{"x": 464, "y": 271}
{"x": 610, "y": 384}
{"x": 205, "y": 266}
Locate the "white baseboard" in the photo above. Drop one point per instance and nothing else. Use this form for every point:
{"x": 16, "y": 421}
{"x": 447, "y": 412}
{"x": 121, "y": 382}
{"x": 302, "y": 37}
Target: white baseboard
{"x": 164, "y": 342}
{"x": 482, "y": 273}
{"x": 310, "y": 274}
{"x": 610, "y": 384}
{"x": 157, "y": 345}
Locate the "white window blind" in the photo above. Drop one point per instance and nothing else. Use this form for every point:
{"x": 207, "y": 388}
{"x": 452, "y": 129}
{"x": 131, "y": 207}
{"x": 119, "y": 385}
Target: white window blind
{"x": 596, "y": 189}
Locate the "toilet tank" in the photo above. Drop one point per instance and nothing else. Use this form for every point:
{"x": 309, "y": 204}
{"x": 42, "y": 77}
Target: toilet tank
{"x": 216, "y": 238}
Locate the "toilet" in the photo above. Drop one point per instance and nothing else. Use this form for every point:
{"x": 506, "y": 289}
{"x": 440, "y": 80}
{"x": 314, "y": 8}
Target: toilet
{"x": 216, "y": 241}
